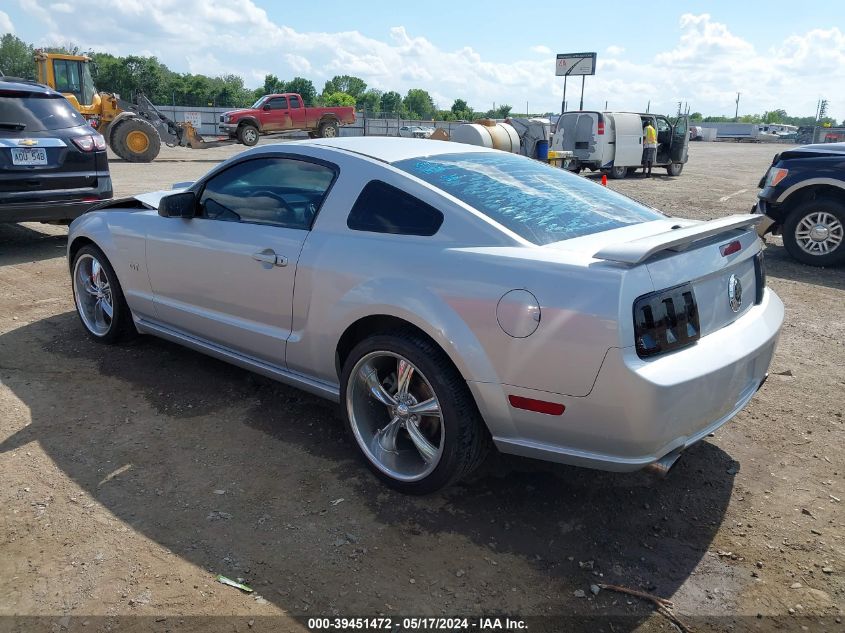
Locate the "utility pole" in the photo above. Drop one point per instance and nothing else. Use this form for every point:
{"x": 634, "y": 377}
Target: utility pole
{"x": 736, "y": 115}
{"x": 581, "y": 107}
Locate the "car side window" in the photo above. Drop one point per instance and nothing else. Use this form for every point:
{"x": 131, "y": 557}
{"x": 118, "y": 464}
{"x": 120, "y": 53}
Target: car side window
{"x": 294, "y": 103}
{"x": 284, "y": 192}
{"x": 278, "y": 103}
{"x": 662, "y": 125}
{"x": 382, "y": 208}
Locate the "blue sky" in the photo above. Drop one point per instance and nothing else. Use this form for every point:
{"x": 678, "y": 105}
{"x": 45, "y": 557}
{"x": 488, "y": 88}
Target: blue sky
{"x": 697, "y": 52}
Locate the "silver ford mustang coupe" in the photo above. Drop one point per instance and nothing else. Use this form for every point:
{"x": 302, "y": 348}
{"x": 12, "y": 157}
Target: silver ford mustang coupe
{"x": 449, "y": 297}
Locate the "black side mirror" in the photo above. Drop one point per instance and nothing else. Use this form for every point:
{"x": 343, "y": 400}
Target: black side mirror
{"x": 267, "y": 107}
{"x": 178, "y": 205}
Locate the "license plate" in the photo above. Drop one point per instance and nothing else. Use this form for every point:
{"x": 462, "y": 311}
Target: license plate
{"x": 29, "y": 156}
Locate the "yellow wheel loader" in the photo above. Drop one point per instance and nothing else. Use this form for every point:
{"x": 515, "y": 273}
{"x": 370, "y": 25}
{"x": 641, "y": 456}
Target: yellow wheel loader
{"x": 134, "y": 131}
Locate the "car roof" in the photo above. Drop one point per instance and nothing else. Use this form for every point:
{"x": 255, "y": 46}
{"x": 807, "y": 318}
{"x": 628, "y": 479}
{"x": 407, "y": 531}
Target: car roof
{"x": 391, "y": 149}
{"x": 24, "y": 85}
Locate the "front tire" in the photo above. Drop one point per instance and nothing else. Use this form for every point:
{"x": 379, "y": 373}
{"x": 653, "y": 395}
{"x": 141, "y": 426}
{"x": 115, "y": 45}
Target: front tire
{"x": 136, "y": 140}
{"x": 617, "y": 173}
{"x": 411, "y": 413}
{"x": 248, "y": 134}
{"x": 814, "y": 232}
{"x": 99, "y": 298}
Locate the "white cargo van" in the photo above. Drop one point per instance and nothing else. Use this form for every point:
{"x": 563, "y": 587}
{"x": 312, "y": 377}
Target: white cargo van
{"x": 613, "y": 141}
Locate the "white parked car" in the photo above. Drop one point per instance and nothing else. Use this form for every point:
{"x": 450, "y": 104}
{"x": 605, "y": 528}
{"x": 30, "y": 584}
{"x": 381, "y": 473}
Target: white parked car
{"x": 415, "y": 131}
{"x": 448, "y": 297}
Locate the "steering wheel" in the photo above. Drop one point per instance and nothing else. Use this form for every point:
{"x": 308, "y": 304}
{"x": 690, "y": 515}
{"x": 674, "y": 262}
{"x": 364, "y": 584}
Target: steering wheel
{"x": 275, "y": 196}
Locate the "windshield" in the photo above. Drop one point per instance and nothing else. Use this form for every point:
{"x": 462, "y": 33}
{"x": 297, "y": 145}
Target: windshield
{"x": 541, "y": 204}
{"x": 37, "y": 112}
{"x": 258, "y": 103}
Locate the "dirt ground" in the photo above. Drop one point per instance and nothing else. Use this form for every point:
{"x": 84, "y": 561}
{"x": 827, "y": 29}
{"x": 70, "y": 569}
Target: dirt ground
{"x": 133, "y": 475}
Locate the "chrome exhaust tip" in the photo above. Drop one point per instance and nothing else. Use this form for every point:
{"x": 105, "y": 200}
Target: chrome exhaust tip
{"x": 661, "y": 467}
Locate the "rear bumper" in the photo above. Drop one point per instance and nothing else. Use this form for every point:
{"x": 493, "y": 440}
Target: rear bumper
{"x": 642, "y": 410}
{"x": 56, "y": 208}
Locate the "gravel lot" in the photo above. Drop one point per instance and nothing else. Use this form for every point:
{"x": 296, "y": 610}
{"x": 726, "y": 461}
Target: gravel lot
{"x": 132, "y": 476}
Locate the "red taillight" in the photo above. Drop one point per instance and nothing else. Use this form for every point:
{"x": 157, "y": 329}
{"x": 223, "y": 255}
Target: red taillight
{"x": 730, "y": 248}
{"x": 601, "y": 126}
{"x": 85, "y": 143}
{"x": 539, "y": 406}
{"x": 90, "y": 143}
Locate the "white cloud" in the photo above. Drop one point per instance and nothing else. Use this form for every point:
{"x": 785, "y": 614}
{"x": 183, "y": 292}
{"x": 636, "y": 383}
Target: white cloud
{"x": 6, "y": 25}
{"x": 61, "y": 7}
{"x": 703, "y": 62}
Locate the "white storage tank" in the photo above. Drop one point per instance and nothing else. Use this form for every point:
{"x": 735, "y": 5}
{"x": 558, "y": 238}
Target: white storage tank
{"x": 487, "y": 134}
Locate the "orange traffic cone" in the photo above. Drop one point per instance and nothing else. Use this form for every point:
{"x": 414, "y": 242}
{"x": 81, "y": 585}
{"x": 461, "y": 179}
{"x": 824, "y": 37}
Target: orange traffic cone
{"x": 604, "y": 180}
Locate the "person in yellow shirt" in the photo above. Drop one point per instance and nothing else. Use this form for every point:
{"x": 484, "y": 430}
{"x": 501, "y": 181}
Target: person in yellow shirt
{"x": 649, "y": 146}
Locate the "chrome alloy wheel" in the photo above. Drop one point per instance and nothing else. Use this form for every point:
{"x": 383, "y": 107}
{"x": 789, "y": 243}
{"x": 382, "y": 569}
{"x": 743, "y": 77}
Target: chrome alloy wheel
{"x": 92, "y": 294}
{"x": 395, "y": 416}
{"x": 819, "y": 233}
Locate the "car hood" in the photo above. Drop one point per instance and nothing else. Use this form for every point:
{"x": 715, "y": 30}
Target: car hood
{"x": 152, "y": 198}
{"x": 819, "y": 149}
{"x": 237, "y": 112}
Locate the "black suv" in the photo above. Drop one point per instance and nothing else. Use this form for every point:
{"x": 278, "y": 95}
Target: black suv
{"x": 53, "y": 165}
{"x": 803, "y": 195}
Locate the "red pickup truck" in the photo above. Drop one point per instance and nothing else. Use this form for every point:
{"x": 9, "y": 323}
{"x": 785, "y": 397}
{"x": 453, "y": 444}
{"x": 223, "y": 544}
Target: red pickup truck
{"x": 283, "y": 113}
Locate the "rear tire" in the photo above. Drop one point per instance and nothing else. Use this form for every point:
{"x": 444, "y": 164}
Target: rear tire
{"x": 136, "y": 140}
{"x": 675, "y": 169}
{"x": 618, "y": 173}
{"x": 812, "y": 227}
{"x": 328, "y": 129}
{"x": 99, "y": 299}
{"x": 457, "y": 438}
{"x": 248, "y": 134}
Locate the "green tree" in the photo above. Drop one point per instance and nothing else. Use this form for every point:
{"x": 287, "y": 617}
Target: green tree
{"x": 502, "y": 112}
{"x": 370, "y": 101}
{"x": 418, "y": 103}
{"x": 304, "y": 88}
{"x": 354, "y": 86}
{"x": 459, "y": 106}
{"x": 391, "y": 101}
{"x": 775, "y": 116}
{"x": 16, "y": 57}
{"x": 696, "y": 116}
{"x": 273, "y": 84}
{"x": 338, "y": 99}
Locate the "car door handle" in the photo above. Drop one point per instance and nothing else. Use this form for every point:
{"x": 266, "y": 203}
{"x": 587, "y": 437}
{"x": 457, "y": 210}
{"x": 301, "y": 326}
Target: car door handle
{"x": 268, "y": 256}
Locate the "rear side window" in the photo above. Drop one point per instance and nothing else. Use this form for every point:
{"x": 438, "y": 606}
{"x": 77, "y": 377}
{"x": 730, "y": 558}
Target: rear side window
{"x": 37, "y": 113}
{"x": 382, "y": 208}
{"x": 541, "y": 204}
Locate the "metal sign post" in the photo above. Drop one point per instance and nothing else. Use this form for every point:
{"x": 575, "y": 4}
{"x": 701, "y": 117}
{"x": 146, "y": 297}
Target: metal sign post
{"x": 574, "y": 64}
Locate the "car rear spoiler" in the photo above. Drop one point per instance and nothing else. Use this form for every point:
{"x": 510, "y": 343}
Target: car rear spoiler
{"x": 639, "y": 250}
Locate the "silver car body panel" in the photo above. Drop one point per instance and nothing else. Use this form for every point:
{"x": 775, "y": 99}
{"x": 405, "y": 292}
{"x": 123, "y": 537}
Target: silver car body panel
{"x": 194, "y": 282}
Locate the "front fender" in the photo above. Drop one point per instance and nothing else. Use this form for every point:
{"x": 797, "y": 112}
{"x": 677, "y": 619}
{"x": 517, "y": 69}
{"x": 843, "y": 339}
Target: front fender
{"x": 90, "y": 227}
{"x": 121, "y": 235}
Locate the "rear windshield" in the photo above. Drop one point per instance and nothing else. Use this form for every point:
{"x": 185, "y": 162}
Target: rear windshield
{"x": 38, "y": 113}
{"x": 540, "y": 203}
